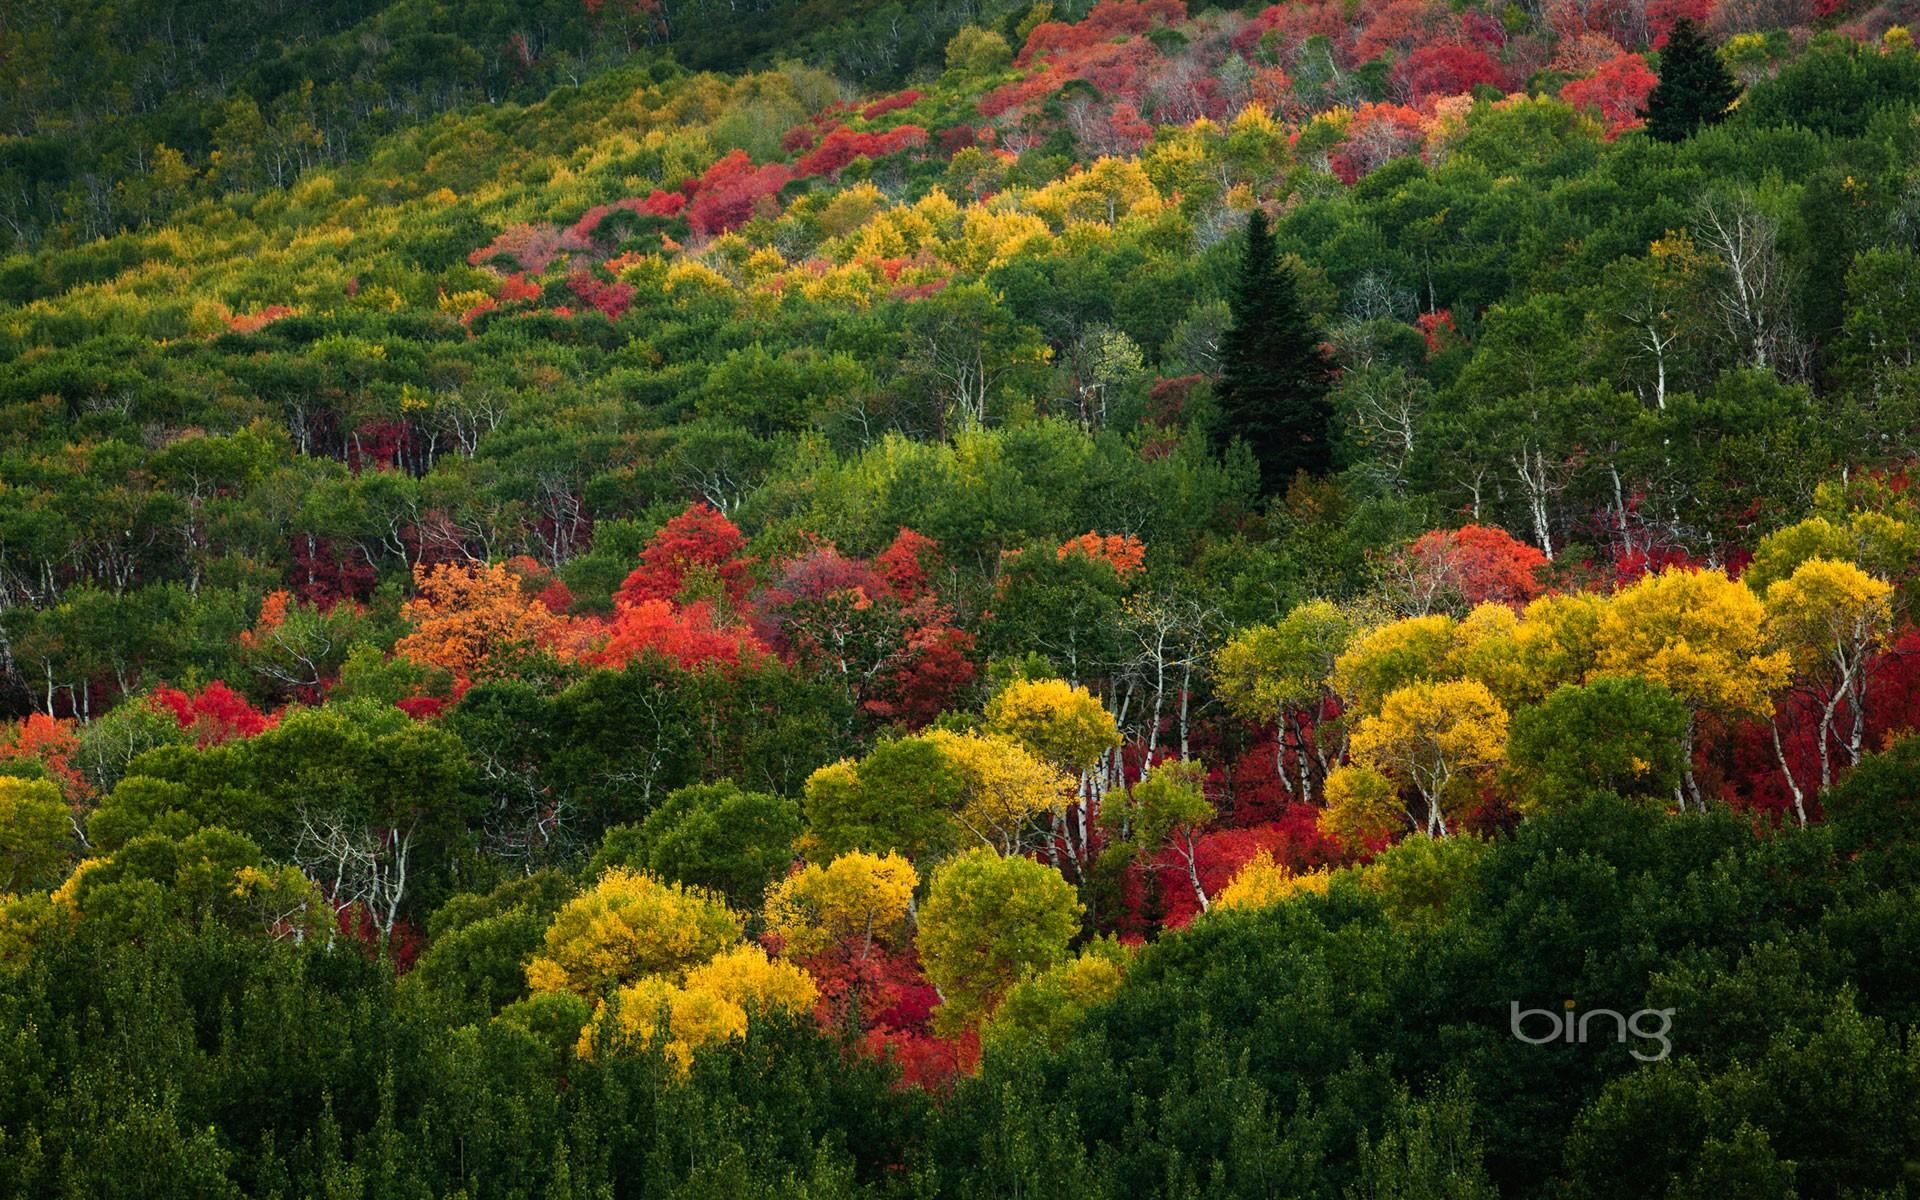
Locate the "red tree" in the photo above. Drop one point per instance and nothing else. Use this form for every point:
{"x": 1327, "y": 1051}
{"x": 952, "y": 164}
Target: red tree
{"x": 214, "y": 714}
{"x": 1477, "y": 563}
{"x": 731, "y": 192}
{"x": 1447, "y": 70}
{"x": 1616, "y": 92}
{"x": 698, "y": 542}
{"x": 688, "y": 636}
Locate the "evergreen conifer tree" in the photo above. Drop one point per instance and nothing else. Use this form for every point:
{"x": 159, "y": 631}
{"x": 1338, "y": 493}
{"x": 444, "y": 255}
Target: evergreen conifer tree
{"x": 1274, "y": 375}
{"x": 1695, "y": 88}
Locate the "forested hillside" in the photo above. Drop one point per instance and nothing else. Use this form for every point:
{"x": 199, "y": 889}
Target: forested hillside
{"x": 654, "y": 598}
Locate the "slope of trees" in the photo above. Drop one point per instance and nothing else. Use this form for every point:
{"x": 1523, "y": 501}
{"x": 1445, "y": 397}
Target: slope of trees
{"x": 1068, "y": 600}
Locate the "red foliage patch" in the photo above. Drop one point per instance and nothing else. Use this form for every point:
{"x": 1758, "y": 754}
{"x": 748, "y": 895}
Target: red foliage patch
{"x": 1436, "y": 329}
{"x": 608, "y": 296}
{"x": 699, "y": 540}
{"x": 1479, "y": 563}
{"x": 906, "y": 561}
{"x": 532, "y": 248}
{"x": 51, "y": 742}
{"x": 1378, "y": 134}
{"x": 842, "y": 146}
{"x": 1294, "y": 840}
{"x": 215, "y": 714}
{"x": 655, "y": 204}
{"x": 938, "y": 667}
{"x": 1109, "y": 19}
{"x": 255, "y": 322}
{"x": 324, "y": 573}
{"x": 893, "y": 103}
{"x": 1431, "y": 72}
{"x": 1616, "y": 92}
{"x": 688, "y": 636}
{"x": 732, "y": 191}
{"x": 1124, "y": 552}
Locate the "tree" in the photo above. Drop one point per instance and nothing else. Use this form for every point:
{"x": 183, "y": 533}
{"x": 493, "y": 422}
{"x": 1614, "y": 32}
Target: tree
{"x": 699, "y": 550}
{"x": 1044, "y": 1009}
{"x": 989, "y": 921}
{"x": 629, "y": 925}
{"x": 1695, "y": 87}
{"x": 369, "y": 802}
{"x": 1448, "y": 569}
{"x": 1754, "y": 287}
{"x": 1261, "y": 881}
{"x": 1379, "y": 661}
{"x": 1700, "y": 634}
{"x": 977, "y": 51}
{"x": 1064, "y": 726}
{"x": 712, "y": 1005}
{"x": 35, "y": 832}
{"x": 1007, "y": 791}
{"x": 843, "y": 918}
{"x": 853, "y": 904}
{"x": 1832, "y": 617}
{"x": 1165, "y": 812}
{"x": 1618, "y": 733}
{"x": 722, "y": 837}
{"x": 478, "y": 945}
{"x": 1616, "y": 92}
{"x": 1430, "y": 745}
{"x": 1274, "y": 377}
{"x": 1429, "y": 1150}
{"x": 475, "y": 623}
{"x": 964, "y": 352}
{"x": 1279, "y": 673}
{"x": 900, "y": 797}
{"x": 686, "y": 636}
{"x": 1878, "y": 544}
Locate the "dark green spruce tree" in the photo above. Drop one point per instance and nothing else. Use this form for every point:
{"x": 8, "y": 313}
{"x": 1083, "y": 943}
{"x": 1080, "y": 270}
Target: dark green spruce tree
{"x": 1694, "y": 89}
{"x": 1274, "y": 375}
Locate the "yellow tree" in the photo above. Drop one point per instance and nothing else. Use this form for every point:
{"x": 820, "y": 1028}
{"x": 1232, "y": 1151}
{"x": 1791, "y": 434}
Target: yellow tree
{"x": 712, "y": 1005}
{"x": 1044, "y": 1008}
{"x": 1553, "y": 646}
{"x": 1060, "y": 722}
{"x": 1429, "y": 744}
{"x": 1066, "y": 727}
{"x": 1279, "y": 673}
{"x": 1009, "y": 793}
{"x": 1831, "y": 617}
{"x": 844, "y": 913}
{"x": 853, "y": 903}
{"x": 1703, "y": 636}
{"x": 1873, "y": 541}
{"x": 36, "y": 831}
{"x": 1262, "y": 882}
{"x": 1392, "y": 656}
{"x": 627, "y": 926}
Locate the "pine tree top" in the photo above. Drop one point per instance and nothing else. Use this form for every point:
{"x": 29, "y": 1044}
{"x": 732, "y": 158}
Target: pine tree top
{"x": 1695, "y": 88}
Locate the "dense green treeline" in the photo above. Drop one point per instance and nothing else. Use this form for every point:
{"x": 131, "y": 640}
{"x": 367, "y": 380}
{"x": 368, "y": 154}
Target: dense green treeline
{"x": 1351, "y": 1045}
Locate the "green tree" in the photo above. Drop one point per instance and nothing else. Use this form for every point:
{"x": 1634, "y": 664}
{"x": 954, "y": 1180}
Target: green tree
{"x": 1619, "y": 733}
{"x": 987, "y": 923}
{"x": 34, "y": 834}
{"x": 1274, "y": 378}
{"x": 1695, "y": 88}
{"x": 720, "y": 836}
